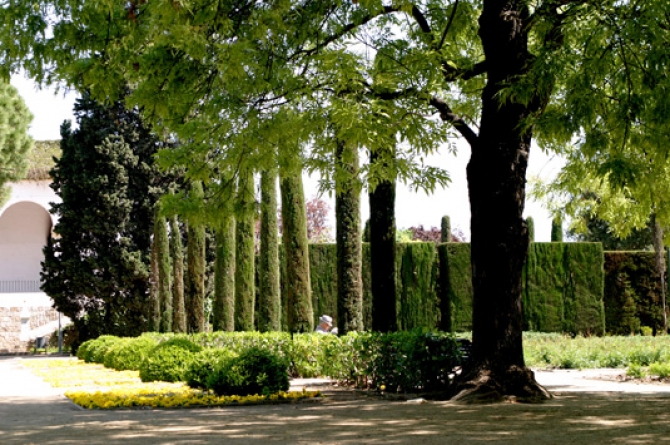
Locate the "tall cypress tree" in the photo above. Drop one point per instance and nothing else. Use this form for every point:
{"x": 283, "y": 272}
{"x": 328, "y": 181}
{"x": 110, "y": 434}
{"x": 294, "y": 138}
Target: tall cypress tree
{"x": 224, "y": 277}
{"x": 195, "y": 269}
{"x": 177, "y": 254}
{"x": 348, "y": 240}
{"x": 530, "y": 224}
{"x": 98, "y": 265}
{"x": 245, "y": 287}
{"x": 445, "y": 233}
{"x": 164, "y": 272}
{"x": 154, "y": 299}
{"x": 383, "y": 254}
{"x": 300, "y": 314}
{"x": 557, "y": 229}
{"x": 269, "y": 305}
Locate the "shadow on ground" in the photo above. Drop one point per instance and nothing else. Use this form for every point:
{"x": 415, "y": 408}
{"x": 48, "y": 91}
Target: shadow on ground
{"x": 575, "y": 418}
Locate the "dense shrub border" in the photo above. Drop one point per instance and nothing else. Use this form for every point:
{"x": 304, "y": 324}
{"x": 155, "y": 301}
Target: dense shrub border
{"x": 401, "y": 361}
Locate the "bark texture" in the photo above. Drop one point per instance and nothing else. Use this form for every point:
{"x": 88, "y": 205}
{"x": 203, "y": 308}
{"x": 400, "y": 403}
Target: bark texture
{"x": 299, "y": 313}
{"x": 383, "y": 255}
{"x": 224, "y": 277}
{"x": 496, "y": 183}
{"x": 269, "y": 305}
{"x": 245, "y": 256}
{"x": 177, "y": 253}
{"x": 348, "y": 240}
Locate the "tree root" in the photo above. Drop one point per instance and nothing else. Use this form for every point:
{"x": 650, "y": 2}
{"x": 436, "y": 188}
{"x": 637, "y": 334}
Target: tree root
{"x": 480, "y": 386}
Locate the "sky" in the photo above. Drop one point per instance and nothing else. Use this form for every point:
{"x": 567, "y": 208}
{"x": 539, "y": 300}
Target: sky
{"x": 50, "y": 108}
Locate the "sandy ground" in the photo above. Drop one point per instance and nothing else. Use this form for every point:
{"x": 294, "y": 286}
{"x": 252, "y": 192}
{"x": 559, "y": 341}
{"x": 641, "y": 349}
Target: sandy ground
{"x": 590, "y": 407}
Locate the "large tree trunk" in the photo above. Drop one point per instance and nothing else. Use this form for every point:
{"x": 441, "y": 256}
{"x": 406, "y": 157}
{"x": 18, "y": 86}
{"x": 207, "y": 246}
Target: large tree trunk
{"x": 269, "y": 306}
{"x": 245, "y": 256}
{"x": 299, "y": 311}
{"x": 383, "y": 255}
{"x": 348, "y": 234}
{"x": 659, "y": 257}
{"x": 496, "y": 183}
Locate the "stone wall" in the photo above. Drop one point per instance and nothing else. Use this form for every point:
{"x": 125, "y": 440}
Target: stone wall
{"x": 40, "y": 320}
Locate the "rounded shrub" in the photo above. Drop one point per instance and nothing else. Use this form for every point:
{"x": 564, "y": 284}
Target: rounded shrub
{"x": 168, "y": 361}
{"x": 82, "y": 350}
{"x": 129, "y": 353}
{"x": 204, "y": 363}
{"x": 96, "y": 349}
{"x": 254, "y": 371}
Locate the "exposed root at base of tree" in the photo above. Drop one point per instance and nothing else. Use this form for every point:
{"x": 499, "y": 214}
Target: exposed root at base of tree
{"x": 512, "y": 385}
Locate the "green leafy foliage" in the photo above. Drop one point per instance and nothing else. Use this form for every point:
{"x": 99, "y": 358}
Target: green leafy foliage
{"x": 254, "y": 371}
{"x": 169, "y": 361}
{"x": 632, "y": 293}
{"x": 562, "y": 351}
{"x": 128, "y": 353}
{"x": 204, "y": 364}
{"x": 408, "y": 361}
{"x": 94, "y": 350}
{"x": 15, "y": 144}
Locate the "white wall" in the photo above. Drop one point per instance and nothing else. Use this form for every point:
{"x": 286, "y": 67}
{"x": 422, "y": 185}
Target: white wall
{"x": 25, "y": 225}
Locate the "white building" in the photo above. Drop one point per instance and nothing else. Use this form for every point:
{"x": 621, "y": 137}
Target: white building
{"x": 25, "y": 226}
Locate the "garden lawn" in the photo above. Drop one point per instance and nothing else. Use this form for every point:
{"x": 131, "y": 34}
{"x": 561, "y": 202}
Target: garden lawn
{"x": 93, "y": 386}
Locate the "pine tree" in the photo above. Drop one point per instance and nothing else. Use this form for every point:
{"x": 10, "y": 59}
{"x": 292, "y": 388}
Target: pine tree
{"x": 245, "y": 256}
{"x": 97, "y": 268}
{"x": 15, "y": 143}
{"x": 195, "y": 270}
{"x": 269, "y": 305}
{"x": 177, "y": 254}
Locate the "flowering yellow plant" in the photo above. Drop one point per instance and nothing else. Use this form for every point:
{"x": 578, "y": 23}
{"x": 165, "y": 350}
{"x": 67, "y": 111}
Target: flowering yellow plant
{"x": 108, "y": 389}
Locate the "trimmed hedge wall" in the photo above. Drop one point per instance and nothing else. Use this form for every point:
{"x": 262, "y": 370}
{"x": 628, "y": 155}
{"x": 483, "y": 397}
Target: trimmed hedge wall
{"x": 632, "y": 293}
{"x": 563, "y": 286}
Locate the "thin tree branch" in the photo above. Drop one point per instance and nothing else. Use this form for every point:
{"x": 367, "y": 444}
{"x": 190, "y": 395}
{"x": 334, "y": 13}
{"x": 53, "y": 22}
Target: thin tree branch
{"x": 447, "y": 115}
{"x": 446, "y": 28}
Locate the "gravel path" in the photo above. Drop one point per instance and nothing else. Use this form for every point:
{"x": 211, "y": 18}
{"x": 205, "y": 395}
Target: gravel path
{"x": 589, "y": 407}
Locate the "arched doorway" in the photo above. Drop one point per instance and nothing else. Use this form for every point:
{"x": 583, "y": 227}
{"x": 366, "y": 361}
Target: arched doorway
{"x": 24, "y": 230}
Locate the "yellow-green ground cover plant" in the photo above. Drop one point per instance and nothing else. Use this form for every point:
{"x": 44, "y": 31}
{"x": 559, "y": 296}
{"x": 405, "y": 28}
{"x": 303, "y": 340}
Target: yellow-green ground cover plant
{"x": 94, "y": 387}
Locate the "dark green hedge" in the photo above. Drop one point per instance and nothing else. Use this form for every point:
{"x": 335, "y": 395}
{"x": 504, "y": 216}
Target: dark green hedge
{"x": 632, "y": 293}
{"x": 563, "y": 286}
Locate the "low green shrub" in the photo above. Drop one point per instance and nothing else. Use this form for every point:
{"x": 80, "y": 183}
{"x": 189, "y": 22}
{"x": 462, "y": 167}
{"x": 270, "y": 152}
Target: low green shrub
{"x": 129, "y": 353}
{"x": 254, "y": 371}
{"x": 95, "y": 350}
{"x": 660, "y": 369}
{"x": 407, "y": 361}
{"x": 635, "y": 371}
{"x": 203, "y": 365}
{"x": 169, "y": 361}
